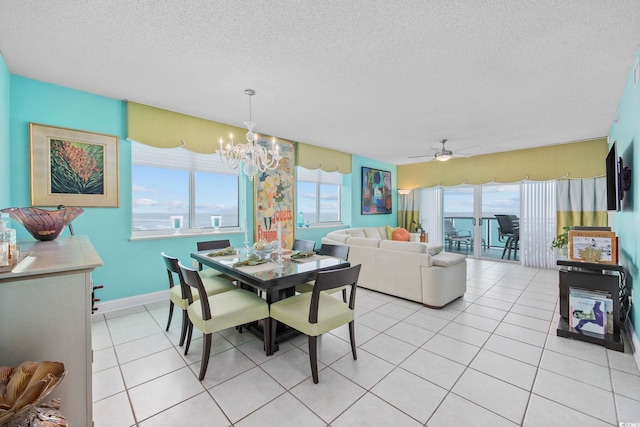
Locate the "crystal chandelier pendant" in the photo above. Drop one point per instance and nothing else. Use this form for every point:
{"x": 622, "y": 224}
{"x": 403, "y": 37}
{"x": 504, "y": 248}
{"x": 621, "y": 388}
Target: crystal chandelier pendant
{"x": 255, "y": 157}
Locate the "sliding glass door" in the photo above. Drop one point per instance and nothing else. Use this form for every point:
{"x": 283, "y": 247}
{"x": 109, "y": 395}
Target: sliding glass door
{"x": 470, "y": 224}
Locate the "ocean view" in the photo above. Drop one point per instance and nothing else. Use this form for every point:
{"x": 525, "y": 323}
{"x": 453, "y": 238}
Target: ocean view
{"x": 162, "y": 221}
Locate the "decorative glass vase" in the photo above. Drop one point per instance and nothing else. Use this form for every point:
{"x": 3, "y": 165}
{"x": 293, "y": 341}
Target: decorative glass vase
{"x": 43, "y": 224}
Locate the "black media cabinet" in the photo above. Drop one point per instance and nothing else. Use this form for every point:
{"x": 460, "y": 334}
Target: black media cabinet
{"x": 597, "y": 277}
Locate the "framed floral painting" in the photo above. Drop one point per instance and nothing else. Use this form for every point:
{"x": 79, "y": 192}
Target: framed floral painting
{"x": 73, "y": 167}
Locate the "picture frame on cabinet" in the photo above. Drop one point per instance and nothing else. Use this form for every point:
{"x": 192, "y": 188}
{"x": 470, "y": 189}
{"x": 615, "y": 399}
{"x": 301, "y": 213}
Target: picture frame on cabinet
{"x": 596, "y": 246}
{"x": 73, "y": 167}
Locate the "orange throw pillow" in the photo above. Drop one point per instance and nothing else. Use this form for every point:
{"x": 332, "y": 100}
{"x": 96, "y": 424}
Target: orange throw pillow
{"x": 400, "y": 234}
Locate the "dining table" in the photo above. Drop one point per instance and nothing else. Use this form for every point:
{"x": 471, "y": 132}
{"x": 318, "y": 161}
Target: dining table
{"x": 277, "y": 278}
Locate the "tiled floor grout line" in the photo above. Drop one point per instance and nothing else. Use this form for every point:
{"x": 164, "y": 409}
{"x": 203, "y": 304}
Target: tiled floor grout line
{"x": 394, "y": 311}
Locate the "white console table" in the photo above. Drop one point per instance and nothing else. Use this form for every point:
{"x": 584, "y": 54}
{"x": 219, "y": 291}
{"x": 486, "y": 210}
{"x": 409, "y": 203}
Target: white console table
{"x": 45, "y": 314}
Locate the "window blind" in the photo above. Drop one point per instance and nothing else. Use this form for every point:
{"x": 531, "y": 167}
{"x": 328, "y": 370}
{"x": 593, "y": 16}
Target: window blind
{"x": 318, "y": 176}
{"x": 178, "y": 158}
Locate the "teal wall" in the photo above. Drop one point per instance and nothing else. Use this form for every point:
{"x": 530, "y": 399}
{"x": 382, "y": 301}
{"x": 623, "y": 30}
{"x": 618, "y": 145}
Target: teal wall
{"x": 5, "y": 171}
{"x": 626, "y": 133}
{"x": 130, "y": 267}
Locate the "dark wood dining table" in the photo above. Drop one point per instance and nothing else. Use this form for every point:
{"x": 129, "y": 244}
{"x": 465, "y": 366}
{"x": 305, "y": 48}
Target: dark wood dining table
{"x": 277, "y": 278}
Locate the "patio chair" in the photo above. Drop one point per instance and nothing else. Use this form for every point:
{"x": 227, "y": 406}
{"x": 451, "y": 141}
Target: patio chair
{"x": 453, "y": 236}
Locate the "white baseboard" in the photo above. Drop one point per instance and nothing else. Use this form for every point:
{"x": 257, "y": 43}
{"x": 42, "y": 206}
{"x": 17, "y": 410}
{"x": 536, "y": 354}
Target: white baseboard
{"x": 633, "y": 339}
{"x": 134, "y": 301}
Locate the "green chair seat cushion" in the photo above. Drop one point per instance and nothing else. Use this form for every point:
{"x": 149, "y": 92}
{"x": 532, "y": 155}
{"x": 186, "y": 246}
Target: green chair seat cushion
{"x": 213, "y": 286}
{"x": 294, "y": 311}
{"x": 229, "y": 309}
{"x": 305, "y": 287}
{"x": 209, "y": 272}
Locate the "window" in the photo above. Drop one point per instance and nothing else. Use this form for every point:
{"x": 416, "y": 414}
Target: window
{"x": 179, "y": 182}
{"x": 318, "y": 195}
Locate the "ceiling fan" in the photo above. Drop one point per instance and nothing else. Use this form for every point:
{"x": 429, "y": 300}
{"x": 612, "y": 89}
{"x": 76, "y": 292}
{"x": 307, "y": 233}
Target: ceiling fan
{"x": 441, "y": 154}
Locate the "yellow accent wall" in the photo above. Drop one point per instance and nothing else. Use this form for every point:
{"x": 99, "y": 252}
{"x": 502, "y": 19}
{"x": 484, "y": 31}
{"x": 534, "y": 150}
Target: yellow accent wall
{"x": 584, "y": 159}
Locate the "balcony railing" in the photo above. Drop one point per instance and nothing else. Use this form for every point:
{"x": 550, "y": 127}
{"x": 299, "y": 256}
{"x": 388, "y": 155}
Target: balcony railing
{"x": 489, "y": 233}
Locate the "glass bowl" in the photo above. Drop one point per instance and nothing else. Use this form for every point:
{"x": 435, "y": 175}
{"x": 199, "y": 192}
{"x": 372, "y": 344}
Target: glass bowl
{"x": 43, "y": 224}
{"x": 266, "y": 251}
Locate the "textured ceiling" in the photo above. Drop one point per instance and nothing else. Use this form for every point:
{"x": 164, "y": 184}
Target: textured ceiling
{"x": 382, "y": 79}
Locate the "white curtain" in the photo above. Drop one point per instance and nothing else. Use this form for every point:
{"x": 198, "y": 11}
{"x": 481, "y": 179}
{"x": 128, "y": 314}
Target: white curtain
{"x": 537, "y": 223}
{"x": 430, "y": 208}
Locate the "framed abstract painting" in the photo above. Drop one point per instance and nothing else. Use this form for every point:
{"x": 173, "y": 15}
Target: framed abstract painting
{"x": 376, "y": 191}
{"x": 72, "y": 167}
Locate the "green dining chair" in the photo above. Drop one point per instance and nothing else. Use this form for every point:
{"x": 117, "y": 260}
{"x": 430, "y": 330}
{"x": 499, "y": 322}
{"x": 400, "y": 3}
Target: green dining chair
{"x": 317, "y": 312}
{"x": 338, "y": 251}
{"x": 178, "y": 294}
{"x": 221, "y": 311}
{"x": 209, "y": 245}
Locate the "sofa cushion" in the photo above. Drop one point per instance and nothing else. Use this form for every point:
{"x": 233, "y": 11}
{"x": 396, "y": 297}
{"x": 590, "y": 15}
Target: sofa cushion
{"x": 356, "y": 232}
{"x": 403, "y": 246}
{"x": 400, "y": 234}
{"x": 371, "y": 232}
{"x": 364, "y": 241}
{"x": 434, "y": 249}
{"x": 447, "y": 259}
{"x": 390, "y": 231}
{"x": 338, "y": 236}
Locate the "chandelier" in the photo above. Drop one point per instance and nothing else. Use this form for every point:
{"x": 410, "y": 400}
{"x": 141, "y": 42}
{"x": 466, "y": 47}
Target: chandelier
{"x": 256, "y": 158}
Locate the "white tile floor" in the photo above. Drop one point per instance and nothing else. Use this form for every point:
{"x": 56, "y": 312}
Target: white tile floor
{"x": 490, "y": 359}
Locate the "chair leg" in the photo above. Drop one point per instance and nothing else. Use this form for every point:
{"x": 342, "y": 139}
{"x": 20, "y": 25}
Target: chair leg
{"x": 206, "y": 349}
{"x": 185, "y": 323}
{"x": 273, "y": 324}
{"x": 313, "y": 357}
{"x": 352, "y": 338}
{"x": 189, "y": 332}
{"x": 344, "y": 295}
{"x": 170, "y": 315}
{"x": 266, "y": 335}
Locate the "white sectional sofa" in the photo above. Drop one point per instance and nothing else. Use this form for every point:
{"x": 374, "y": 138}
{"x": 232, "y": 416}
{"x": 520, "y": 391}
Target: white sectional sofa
{"x": 410, "y": 270}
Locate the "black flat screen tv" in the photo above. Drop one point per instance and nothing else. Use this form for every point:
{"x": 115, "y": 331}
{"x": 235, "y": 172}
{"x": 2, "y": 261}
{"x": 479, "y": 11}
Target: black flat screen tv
{"x": 614, "y": 190}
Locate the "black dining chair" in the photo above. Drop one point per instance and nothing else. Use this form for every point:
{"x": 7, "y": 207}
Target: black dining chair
{"x": 179, "y": 294}
{"x": 338, "y": 251}
{"x": 303, "y": 245}
{"x": 220, "y": 311}
{"x": 209, "y": 245}
{"x": 315, "y": 313}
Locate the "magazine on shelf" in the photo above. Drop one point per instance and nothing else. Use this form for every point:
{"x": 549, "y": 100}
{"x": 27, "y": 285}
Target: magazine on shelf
{"x": 599, "y": 295}
{"x": 590, "y": 311}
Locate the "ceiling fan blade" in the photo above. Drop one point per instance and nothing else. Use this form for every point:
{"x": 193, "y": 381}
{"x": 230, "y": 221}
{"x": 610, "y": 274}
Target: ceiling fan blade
{"x": 422, "y": 155}
{"x": 467, "y": 148}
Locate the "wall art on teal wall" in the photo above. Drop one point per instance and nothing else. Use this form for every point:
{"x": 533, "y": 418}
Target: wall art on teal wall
{"x": 376, "y": 191}
{"x": 73, "y": 168}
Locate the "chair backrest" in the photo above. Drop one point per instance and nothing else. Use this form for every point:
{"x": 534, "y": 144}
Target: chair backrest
{"x": 173, "y": 268}
{"x": 213, "y": 244}
{"x": 191, "y": 278}
{"x": 331, "y": 279}
{"x": 449, "y": 229}
{"x": 505, "y": 224}
{"x": 338, "y": 251}
{"x": 210, "y": 245}
{"x": 303, "y": 245}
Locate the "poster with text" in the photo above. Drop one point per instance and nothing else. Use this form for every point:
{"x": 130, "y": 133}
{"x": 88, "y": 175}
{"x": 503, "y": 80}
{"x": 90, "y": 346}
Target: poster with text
{"x": 274, "y": 196}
